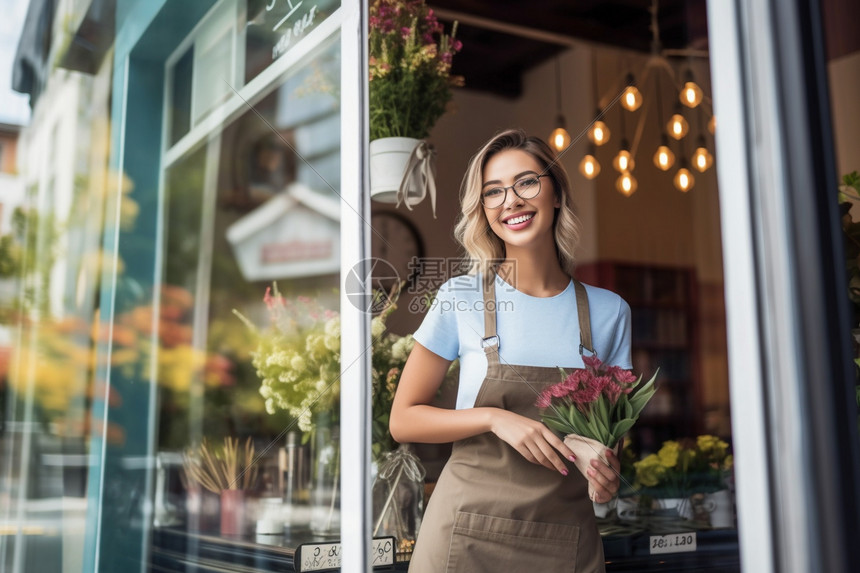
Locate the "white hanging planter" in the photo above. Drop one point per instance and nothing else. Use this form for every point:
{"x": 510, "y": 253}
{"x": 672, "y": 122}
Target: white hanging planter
{"x": 402, "y": 170}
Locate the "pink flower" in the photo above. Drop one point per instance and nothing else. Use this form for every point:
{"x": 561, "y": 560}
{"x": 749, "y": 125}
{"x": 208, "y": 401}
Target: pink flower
{"x": 544, "y": 400}
{"x": 600, "y": 382}
{"x": 456, "y": 45}
{"x": 273, "y": 301}
{"x": 621, "y": 375}
{"x": 613, "y": 392}
{"x": 405, "y": 31}
{"x": 592, "y": 362}
{"x": 558, "y": 390}
{"x": 586, "y": 395}
{"x": 575, "y": 379}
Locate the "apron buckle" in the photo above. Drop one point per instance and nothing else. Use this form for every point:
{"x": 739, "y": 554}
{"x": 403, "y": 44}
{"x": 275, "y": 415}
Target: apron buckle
{"x": 488, "y": 341}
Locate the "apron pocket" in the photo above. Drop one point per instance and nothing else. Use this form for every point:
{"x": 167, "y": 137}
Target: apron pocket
{"x": 484, "y": 543}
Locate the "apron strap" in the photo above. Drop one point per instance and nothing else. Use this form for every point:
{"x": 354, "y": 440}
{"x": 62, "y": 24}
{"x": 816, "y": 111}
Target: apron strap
{"x": 490, "y": 343}
{"x": 584, "y": 318}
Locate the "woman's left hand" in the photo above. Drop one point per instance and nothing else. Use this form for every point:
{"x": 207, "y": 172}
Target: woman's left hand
{"x": 605, "y": 478}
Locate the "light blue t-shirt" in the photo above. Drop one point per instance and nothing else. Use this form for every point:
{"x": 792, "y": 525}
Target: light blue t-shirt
{"x": 533, "y": 331}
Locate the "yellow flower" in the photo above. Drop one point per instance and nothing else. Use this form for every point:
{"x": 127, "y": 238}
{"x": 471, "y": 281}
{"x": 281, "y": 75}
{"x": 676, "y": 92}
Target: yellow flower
{"x": 712, "y": 446}
{"x": 650, "y": 470}
{"x": 668, "y": 454}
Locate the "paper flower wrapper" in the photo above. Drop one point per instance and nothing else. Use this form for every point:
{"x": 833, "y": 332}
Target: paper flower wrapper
{"x": 585, "y": 450}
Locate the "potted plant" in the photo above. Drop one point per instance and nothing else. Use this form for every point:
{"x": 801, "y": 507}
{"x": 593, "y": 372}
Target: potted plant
{"x": 229, "y": 472}
{"x": 410, "y": 81}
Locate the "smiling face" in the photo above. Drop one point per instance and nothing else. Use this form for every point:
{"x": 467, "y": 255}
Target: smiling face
{"x": 520, "y": 223}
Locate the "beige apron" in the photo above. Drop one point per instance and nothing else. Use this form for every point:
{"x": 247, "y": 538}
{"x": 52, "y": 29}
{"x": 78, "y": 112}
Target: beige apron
{"x": 492, "y": 510}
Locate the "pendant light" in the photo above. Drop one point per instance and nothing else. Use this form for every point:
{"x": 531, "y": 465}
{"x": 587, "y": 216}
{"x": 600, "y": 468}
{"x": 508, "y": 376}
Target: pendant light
{"x": 702, "y": 158}
{"x": 589, "y": 166}
{"x": 691, "y": 94}
{"x": 559, "y": 139}
{"x": 598, "y": 133}
{"x": 712, "y": 125}
{"x": 677, "y": 126}
{"x": 631, "y": 99}
{"x": 623, "y": 161}
{"x": 684, "y": 180}
{"x": 663, "y": 158}
{"x": 626, "y": 184}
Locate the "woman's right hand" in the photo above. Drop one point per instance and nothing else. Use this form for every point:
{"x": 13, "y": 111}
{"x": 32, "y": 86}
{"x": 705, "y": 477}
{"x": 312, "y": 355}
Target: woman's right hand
{"x": 532, "y": 439}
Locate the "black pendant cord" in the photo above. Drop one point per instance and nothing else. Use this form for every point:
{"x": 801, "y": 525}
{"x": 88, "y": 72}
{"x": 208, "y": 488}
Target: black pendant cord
{"x": 594, "y": 84}
{"x": 558, "y": 86}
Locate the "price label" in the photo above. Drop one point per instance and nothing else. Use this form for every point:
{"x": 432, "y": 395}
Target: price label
{"x": 328, "y": 556}
{"x": 383, "y": 551}
{"x": 673, "y": 543}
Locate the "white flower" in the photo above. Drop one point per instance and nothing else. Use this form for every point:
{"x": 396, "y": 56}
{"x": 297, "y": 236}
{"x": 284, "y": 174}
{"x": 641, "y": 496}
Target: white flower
{"x": 402, "y": 347}
{"x": 305, "y": 422}
{"x": 377, "y": 327}
{"x": 332, "y": 326}
{"x": 297, "y": 363}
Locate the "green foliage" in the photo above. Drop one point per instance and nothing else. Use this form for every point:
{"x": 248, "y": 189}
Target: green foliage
{"x": 29, "y": 253}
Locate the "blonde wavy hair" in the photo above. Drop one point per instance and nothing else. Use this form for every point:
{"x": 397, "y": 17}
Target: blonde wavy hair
{"x": 484, "y": 249}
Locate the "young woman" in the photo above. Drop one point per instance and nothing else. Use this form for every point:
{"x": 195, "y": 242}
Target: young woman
{"x": 510, "y": 497}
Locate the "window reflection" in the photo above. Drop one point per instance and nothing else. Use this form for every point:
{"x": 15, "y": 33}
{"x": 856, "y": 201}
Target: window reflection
{"x": 252, "y": 209}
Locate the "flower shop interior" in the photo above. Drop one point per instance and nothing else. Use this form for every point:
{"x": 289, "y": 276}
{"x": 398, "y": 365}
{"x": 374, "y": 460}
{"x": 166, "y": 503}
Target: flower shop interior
{"x": 182, "y": 374}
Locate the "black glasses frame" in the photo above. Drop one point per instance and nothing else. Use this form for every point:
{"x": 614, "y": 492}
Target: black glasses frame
{"x": 512, "y": 188}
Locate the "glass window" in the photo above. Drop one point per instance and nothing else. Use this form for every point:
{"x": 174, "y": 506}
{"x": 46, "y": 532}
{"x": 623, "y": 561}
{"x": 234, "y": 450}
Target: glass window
{"x": 175, "y": 253}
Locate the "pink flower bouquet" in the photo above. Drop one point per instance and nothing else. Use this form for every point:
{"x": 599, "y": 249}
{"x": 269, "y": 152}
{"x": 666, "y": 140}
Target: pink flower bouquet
{"x": 594, "y": 407}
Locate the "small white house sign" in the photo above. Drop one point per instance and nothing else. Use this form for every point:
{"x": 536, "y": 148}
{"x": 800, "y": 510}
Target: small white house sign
{"x": 294, "y": 234}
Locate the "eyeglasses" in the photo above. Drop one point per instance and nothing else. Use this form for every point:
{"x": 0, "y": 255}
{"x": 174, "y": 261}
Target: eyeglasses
{"x": 526, "y": 188}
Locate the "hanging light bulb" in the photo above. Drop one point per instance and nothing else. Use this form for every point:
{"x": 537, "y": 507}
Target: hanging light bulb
{"x": 684, "y": 180}
{"x": 712, "y": 125}
{"x": 691, "y": 94}
{"x": 559, "y": 139}
{"x": 631, "y": 99}
{"x": 626, "y": 184}
{"x": 624, "y": 160}
{"x": 702, "y": 158}
{"x": 589, "y": 166}
{"x": 664, "y": 158}
{"x": 677, "y": 126}
{"x": 599, "y": 133}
